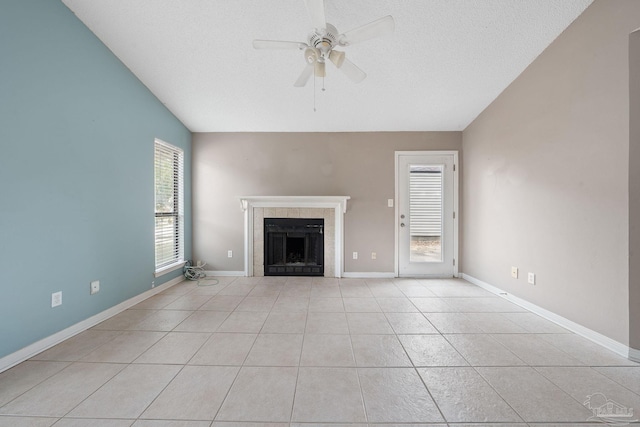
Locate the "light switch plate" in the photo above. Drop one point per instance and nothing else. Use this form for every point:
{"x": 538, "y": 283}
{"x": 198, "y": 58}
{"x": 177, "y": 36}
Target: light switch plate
{"x": 95, "y": 287}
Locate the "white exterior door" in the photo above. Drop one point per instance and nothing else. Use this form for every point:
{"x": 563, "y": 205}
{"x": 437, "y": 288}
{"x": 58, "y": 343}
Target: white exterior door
{"x": 426, "y": 198}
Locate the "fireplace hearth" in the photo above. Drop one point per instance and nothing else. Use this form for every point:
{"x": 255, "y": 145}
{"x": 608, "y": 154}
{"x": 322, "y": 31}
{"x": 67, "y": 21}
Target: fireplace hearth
{"x": 293, "y": 247}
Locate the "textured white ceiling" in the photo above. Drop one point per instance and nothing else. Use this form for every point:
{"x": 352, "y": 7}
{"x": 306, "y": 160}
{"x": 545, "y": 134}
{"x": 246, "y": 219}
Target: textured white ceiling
{"x": 446, "y": 61}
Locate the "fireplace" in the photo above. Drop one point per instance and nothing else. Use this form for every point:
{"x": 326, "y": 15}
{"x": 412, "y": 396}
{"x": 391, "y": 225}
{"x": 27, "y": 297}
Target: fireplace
{"x": 293, "y": 247}
{"x": 329, "y": 208}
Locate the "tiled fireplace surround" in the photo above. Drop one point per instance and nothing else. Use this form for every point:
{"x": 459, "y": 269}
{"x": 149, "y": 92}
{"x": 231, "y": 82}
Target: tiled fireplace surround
{"x": 329, "y": 208}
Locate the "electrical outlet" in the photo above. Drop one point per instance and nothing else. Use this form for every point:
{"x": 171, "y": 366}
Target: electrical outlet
{"x": 374, "y": 255}
{"x": 56, "y": 299}
{"x": 95, "y": 287}
{"x": 229, "y": 254}
{"x": 355, "y": 255}
{"x": 514, "y": 272}
{"x": 390, "y": 203}
{"x": 531, "y": 278}
{"x": 153, "y": 284}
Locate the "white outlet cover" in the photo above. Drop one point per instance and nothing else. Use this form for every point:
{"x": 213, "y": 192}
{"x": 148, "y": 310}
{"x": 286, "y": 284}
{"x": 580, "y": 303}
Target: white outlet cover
{"x": 390, "y": 203}
{"x": 56, "y": 299}
{"x": 532, "y": 279}
{"x": 95, "y": 287}
{"x": 374, "y": 255}
{"x": 514, "y": 272}
{"x": 355, "y": 255}
{"x": 229, "y": 254}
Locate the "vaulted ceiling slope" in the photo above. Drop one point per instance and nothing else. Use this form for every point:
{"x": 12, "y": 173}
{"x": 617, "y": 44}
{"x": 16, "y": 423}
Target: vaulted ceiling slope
{"x": 445, "y": 62}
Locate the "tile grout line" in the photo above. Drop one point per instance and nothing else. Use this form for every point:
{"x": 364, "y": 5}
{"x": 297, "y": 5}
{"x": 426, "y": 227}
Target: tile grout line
{"x": 126, "y": 365}
{"x": 415, "y": 369}
{"x": 500, "y": 394}
{"x": 615, "y": 381}
{"x": 535, "y": 368}
{"x": 295, "y": 388}
{"x": 68, "y": 363}
{"x": 469, "y": 366}
{"x": 353, "y": 353}
{"x": 179, "y": 371}
{"x": 235, "y": 378}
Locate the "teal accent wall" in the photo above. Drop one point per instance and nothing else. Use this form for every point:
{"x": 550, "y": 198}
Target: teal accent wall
{"x": 76, "y": 173}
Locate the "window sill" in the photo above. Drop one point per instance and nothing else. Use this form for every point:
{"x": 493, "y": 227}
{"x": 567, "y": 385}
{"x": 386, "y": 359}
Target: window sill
{"x": 169, "y": 269}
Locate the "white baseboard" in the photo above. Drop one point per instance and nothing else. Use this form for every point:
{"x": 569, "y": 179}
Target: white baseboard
{"x": 634, "y": 355}
{"x": 48, "y": 342}
{"x": 596, "y": 337}
{"x": 427, "y": 276}
{"x": 225, "y": 273}
{"x": 368, "y": 275}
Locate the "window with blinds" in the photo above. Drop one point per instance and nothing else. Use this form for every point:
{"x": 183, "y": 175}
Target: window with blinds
{"x": 169, "y": 201}
{"x": 425, "y": 203}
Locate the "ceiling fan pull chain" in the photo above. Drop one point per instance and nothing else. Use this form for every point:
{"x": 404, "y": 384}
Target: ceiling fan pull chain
{"x": 323, "y": 84}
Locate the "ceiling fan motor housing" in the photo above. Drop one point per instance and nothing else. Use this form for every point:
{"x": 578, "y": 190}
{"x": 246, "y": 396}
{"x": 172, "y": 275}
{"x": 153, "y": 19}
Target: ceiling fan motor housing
{"x": 325, "y": 40}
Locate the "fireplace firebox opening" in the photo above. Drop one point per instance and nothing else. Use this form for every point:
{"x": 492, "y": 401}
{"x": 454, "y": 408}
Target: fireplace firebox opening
{"x": 293, "y": 247}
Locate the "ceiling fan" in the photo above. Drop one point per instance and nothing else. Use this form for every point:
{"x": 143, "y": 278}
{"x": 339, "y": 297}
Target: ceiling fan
{"x": 322, "y": 41}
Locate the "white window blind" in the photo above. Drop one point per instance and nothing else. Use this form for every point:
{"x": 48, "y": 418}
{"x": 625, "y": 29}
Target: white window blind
{"x": 425, "y": 187}
{"x": 169, "y": 202}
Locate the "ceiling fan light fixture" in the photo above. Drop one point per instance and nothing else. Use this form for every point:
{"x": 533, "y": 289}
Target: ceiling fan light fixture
{"x": 337, "y": 58}
{"x": 311, "y": 55}
{"x": 320, "y": 70}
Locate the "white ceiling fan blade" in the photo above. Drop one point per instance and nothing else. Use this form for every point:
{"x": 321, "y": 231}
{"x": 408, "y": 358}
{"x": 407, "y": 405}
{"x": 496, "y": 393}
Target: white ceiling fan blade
{"x": 316, "y": 12}
{"x": 337, "y": 57}
{"x": 304, "y": 77}
{"x": 277, "y": 44}
{"x": 368, "y": 31}
{"x": 352, "y": 71}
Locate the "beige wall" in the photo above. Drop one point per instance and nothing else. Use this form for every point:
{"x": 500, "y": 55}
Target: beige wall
{"x": 360, "y": 165}
{"x": 546, "y": 176}
{"x": 634, "y": 190}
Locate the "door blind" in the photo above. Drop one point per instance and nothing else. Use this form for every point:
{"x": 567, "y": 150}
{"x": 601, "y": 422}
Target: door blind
{"x": 425, "y": 187}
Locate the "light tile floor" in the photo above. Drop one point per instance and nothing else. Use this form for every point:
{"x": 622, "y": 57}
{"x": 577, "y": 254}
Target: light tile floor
{"x": 299, "y": 352}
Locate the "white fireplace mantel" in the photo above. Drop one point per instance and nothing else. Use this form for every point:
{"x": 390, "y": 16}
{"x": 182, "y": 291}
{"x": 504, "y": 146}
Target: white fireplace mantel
{"x": 338, "y": 203}
{"x": 295, "y": 202}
